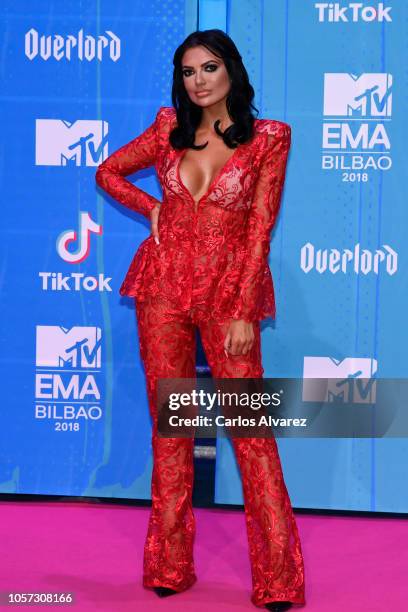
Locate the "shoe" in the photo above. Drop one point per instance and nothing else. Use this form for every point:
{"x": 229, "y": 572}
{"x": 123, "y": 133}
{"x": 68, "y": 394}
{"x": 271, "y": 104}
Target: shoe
{"x": 164, "y": 591}
{"x": 278, "y": 606}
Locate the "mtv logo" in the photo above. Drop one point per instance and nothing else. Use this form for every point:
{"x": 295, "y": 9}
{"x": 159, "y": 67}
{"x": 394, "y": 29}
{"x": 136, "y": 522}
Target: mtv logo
{"x": 339, "y": 380}
{"x": 62, "y": 143}
{"x": 349, "y": 95}
{"x": 60, "y": 347}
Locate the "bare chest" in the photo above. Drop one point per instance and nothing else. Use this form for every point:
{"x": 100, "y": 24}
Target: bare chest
{"x": 199, "y": 168}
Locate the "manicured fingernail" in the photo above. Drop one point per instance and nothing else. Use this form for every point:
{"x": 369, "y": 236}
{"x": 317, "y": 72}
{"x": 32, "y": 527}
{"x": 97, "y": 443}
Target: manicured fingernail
{"x": 156, "y": 240}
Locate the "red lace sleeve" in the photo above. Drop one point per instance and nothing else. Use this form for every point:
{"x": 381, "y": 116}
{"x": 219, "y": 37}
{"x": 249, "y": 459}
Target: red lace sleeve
{"x": 139, "y": 153}
{"x": 262, "y": 216}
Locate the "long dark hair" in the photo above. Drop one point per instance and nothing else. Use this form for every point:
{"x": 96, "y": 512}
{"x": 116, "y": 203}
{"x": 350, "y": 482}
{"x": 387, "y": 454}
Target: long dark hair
{"x": 238, "y": 102}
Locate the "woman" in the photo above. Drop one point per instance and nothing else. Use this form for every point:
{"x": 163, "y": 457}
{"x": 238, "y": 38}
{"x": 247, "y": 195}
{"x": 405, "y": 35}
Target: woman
{"x": 205, "y": 264}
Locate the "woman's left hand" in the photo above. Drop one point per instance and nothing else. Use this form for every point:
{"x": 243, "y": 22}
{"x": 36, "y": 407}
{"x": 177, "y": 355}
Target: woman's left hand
{"x": 240, "y": 338}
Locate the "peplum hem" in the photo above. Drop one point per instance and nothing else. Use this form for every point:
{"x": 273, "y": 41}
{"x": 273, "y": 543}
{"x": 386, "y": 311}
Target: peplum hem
{"x": 167, "y": 273}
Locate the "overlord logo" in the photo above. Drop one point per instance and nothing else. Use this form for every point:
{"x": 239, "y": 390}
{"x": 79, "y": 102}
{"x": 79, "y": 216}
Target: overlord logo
{"x": 64, "y": 143}
{"x": 335, "y": 12}
{"x": 358, "y": 260}
{"x": 58, "y": 47}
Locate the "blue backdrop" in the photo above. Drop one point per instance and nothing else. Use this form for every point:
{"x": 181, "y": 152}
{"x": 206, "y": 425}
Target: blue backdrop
{"x": 78, "y": 82}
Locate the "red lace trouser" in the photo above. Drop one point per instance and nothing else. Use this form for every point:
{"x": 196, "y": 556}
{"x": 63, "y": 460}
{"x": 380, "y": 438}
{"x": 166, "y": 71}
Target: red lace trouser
{"x": 167, "y": 347}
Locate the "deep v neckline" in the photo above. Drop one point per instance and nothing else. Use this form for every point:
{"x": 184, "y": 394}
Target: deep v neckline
{"x": 215, "y": 179}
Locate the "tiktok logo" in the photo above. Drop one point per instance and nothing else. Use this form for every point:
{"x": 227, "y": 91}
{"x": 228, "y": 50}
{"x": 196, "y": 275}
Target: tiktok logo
{"x": 86, "y": 227}
{"x": 334, "y": 12}
{"x": 76, "y": 281}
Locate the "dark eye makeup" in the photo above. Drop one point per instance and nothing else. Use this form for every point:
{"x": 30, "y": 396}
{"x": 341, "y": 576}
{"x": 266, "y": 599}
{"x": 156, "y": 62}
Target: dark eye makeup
{"x": 213, "y": 67}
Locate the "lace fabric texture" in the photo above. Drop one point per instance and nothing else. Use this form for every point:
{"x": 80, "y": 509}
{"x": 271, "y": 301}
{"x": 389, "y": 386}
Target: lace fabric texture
{"x": 210, "y": 267}
{"x": 167, "y": 347}
{"x": 213, "y": 254}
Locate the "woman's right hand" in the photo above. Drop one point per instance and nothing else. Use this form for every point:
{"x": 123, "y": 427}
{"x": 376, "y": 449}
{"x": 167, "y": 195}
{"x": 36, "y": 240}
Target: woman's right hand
{"x": 154, "y": 218}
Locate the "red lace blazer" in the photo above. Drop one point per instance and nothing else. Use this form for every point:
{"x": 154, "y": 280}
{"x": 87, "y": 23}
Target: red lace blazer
{"x": 213, "y": 256}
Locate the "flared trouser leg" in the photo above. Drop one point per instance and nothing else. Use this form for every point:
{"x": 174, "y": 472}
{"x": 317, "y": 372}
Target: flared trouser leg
{"x": 167, "y": 348}
{"x": 274, "y": 546}
{"x": 167, "y": 344}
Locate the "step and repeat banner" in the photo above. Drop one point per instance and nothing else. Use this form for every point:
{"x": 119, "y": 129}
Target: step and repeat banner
{"x": 337, "y": 73}
{"x": 79, "y": 82}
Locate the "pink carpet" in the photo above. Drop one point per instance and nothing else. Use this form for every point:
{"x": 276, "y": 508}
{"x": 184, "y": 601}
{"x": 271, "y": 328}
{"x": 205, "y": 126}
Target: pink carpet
{"x": 95, "y": 550}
